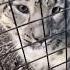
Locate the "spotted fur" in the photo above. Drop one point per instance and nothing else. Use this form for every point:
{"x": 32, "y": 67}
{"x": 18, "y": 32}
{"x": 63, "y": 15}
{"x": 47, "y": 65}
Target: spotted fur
{"x": 26, "y": 11}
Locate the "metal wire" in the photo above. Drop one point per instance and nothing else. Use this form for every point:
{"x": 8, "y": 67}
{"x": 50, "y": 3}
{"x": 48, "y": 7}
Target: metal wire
{"x": 44, "y": 39}
{"x": 65, "y": 15}
{"x": 44, "y": 34}
{"x": 1, "y": 65}
{"x": 18, "y": 35}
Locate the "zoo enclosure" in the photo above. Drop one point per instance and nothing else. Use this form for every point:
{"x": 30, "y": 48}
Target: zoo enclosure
{"x": 42, "y": 19}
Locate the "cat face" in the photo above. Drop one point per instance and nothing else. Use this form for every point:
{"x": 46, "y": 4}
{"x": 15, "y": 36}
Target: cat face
{"x": 28, "y": 10}
{"x": 25, "y": 13}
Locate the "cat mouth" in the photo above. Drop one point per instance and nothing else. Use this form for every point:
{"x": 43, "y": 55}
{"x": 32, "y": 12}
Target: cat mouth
{"x": 35, "y": 44}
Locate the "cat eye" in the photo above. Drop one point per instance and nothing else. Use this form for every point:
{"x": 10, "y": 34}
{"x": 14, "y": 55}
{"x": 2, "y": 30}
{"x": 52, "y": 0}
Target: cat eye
{"x": 23, "y": 9}
{"x": 56, "y": 10}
